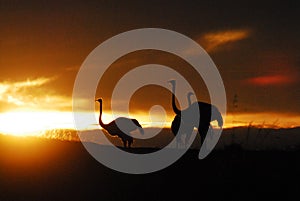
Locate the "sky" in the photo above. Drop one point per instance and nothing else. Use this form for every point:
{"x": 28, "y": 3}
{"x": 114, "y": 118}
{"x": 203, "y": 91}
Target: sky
{"x": 254, "y": 45}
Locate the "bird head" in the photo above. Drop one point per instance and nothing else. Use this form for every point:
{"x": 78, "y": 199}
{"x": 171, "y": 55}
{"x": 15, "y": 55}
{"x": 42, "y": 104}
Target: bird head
{"x": 99, "y": 100}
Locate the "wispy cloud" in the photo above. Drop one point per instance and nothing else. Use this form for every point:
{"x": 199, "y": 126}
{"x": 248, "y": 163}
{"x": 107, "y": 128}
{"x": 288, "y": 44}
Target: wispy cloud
{"x": 216, "y": 40}
{"x": 269, "y": 80}
{"x": 8, "y": 86}
{"x": 31, "y": 94}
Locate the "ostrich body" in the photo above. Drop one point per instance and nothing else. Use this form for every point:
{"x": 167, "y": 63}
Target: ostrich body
{"x": 205, "y": 111}
{"x": 127, "y": 125}
{"x": 185, "y": 128}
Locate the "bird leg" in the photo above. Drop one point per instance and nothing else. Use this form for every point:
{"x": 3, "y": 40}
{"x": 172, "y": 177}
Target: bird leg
{"x": 129, "y": 143}
{"x": 189, "y": 132}
{"x": 203, "y": 129}
{"x": 178, "y": 140}
{"x": 124, "y": 143}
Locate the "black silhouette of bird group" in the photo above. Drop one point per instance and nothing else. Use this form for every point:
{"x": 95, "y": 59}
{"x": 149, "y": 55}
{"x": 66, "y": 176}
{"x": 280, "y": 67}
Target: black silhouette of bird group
{"x": 198, "y": 115}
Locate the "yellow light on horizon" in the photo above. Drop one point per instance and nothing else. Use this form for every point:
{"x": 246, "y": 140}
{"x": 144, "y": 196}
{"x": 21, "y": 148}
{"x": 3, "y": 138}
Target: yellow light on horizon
{"x": 27, "y": 123}
{"x": 35, "y": 123}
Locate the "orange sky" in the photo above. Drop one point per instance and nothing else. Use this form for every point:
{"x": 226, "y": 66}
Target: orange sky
{"x": 43, "y": 44}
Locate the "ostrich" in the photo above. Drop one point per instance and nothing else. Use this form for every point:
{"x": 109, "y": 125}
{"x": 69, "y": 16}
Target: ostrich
{"x": 127, "y": 125}
{"x": 185, "y": 129}
{"x": 205, "y": 111}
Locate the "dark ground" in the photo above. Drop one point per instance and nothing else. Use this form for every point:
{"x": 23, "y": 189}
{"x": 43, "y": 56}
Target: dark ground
{"x": 40, "y": 169}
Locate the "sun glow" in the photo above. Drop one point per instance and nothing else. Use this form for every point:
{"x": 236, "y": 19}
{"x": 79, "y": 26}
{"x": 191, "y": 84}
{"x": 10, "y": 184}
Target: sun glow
{"x": 36, "y": 123}
{"x": 28, "y": 123}
{"x": 23, "y": 123}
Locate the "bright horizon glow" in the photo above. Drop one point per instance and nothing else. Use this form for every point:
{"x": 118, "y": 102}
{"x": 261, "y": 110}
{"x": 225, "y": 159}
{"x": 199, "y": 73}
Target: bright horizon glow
{"x": 26, "y": 123}
{"x": 35, "y": 123}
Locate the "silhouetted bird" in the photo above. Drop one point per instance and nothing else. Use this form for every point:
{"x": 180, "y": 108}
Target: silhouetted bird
{"x": 120, "y": 127}
{"x": 198, "y": 115}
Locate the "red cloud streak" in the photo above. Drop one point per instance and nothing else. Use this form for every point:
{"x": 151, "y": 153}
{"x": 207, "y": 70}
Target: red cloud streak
{"x": 271, "y": 80}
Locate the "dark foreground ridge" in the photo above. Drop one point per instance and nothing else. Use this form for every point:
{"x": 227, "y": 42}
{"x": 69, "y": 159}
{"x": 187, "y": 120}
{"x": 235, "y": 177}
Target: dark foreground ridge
{"x": 40, "y": 169}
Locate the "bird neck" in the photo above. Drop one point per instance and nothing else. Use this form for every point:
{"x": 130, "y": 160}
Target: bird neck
{"x": 175, "y": 109}
{"x": 189, "y": 100}
{"x": 100, "y": 117}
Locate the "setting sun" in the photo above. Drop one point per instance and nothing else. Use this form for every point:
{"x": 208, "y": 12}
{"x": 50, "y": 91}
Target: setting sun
{"x": 24, "y": 123}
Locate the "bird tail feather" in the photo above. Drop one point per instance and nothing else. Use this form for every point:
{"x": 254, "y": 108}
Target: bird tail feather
{"x": 139, "y": 126}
